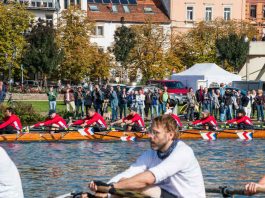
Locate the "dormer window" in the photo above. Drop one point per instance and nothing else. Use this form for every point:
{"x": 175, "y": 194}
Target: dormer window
{"x": 114, "y": 8}
{"x": 126, "y": 9}
{"x": 148, "y": 10}
{"x": 93, "y": 8}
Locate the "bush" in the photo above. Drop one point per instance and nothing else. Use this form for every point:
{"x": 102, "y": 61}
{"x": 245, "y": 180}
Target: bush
{"x": 25, "y": 112}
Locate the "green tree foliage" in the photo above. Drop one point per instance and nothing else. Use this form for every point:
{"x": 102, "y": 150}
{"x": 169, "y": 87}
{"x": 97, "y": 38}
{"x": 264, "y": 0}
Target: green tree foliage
{"x": 14, "y": 22}
{"x": 100, "y": 67}
{"x": 124, "y": 38}
{"x": 42, "y": 53}
{"x": 234, "y": 49}
{"x": 149, "y": 53}
{"x": 74, "y": 29}
{"x": 198, "y": 44}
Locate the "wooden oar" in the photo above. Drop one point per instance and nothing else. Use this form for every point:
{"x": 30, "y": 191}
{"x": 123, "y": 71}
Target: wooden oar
{"x": 120, "y": 192}
{"x": 228, "y": 191}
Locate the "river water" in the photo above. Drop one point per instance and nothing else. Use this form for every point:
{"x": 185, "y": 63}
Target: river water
{"x": 50, "y": 169}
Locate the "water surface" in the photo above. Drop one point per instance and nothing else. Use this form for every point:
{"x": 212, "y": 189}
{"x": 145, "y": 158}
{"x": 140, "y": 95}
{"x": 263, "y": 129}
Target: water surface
{"x": 50, "y": 169}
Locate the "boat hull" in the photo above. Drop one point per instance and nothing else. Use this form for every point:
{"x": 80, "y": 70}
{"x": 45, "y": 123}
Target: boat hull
{"x": 114, "y": 136}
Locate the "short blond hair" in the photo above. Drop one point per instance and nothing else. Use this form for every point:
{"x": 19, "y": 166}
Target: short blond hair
{"x": 168, "y": 123}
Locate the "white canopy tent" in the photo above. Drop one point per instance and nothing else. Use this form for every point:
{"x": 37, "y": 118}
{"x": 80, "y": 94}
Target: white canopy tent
{"x": 205, "y": 72}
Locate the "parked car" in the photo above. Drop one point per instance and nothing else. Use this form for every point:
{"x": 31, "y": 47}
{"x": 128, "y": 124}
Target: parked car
{"x": 173, "y": 86}
{"x": 114, "y": 85}
{"x": 133, "y": 88}
{"x": 243, "y": 92}
{"x": 31, "y": 83}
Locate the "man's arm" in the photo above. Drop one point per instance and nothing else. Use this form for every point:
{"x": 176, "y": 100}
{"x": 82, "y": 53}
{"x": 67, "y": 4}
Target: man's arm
{"x": 138, "y": 181}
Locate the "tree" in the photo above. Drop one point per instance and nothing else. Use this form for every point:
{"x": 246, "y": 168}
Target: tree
{"x": 42, "y": 53}
{"x": 14, "y": 22}
{"x": 74, "y": 30}
{"x": 199, "y": 44}
{"x": 124, "y": 41}
{"x": 100, "y": 68}
{"x": 234, "y": 49}
{"x": 148, "y": 56}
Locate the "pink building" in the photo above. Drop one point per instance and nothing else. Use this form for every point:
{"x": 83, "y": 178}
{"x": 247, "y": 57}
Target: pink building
{"x": 185, "y": 13}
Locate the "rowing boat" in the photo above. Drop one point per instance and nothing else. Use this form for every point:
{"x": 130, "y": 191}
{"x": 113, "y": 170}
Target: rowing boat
{"x": 116, "y": 135}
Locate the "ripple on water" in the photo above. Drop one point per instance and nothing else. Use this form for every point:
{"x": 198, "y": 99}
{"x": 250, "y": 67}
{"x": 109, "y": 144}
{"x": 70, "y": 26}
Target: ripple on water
{"x": 49, "y": 169}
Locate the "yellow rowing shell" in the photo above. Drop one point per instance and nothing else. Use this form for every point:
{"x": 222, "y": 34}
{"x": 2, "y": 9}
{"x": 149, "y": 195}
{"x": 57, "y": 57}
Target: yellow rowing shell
{"x": 114, "y": 135}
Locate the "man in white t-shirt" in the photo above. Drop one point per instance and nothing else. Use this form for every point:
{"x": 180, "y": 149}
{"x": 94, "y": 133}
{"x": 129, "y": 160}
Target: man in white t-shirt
{"x": 10, "y": 183}
{"x": 168, "y": 170}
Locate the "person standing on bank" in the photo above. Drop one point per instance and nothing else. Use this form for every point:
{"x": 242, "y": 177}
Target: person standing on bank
{"x": 156, "y": 173}
{"x": 52, "y": 95}
{"x": 113, "y": 98}
{"x": 191, "y": 102}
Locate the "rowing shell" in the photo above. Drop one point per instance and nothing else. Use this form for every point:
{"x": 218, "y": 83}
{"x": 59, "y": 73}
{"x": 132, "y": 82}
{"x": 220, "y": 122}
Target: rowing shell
{"x": 116, "y": 135}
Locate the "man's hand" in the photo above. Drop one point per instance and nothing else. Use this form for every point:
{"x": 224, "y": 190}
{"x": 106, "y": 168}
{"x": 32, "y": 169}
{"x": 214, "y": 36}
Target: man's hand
{"x": 111, "y": 124}
{"x": 251, "y": 188}
{"x": 92, "y": 186}
{"x": 32, "y": 126}
{"x": 83, "y": 125}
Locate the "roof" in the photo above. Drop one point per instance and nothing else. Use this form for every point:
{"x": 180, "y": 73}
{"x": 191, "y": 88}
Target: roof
{"x": 136, "y": 14}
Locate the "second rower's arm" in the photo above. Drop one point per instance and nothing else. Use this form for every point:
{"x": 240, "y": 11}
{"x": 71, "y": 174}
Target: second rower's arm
{"x": 118, "y": 122}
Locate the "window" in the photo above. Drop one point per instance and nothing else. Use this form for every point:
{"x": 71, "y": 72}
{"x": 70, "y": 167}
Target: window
{"x": 208, "y": 13}
{"x": 148, "y": 10}
{"x": 93, "y": 8}
{"x": 114, "y": 8}
{"x": 190, "y": 13}
{"x": 49, "y": 18}
{"x": 65, "y": 4}
{"x": 126, "y": 9}
{"x": 263, "y": 11}
{"x": 50, "y": 5}
{"x": 99, "y": 31}
{"x": 227, "y": 14}
{"x": 253, "y": 11}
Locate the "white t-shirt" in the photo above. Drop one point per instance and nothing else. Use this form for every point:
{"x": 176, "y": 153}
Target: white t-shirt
{"x": 179, "y": 174}
{"x": 10, "y": 183}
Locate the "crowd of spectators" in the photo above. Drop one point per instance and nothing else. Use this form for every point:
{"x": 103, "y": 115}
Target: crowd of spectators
{"x": 224, "y": 103}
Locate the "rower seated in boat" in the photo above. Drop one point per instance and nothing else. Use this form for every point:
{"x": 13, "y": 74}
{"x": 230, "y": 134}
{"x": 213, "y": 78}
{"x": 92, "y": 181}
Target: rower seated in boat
{"x": 54, "y": 121}
{"x": 11, "y": 123}
{"x": 94, "y": 120}
{"x": 156, "y": 173}
{"x": 207, "y": 121}
{"x": 133, "y": 121}
{"x": 242, "y": 121}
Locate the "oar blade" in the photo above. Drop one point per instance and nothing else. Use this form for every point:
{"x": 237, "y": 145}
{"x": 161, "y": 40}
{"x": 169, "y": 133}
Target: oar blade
{"x": 245, "y": 135}
{"x": 86, "y": 131}
{"x": 208, "y": 135}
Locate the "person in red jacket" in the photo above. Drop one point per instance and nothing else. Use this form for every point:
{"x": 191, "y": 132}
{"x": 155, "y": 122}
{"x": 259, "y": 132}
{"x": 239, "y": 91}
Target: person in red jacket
{"x": 207, "y": 120}
{"x": 53, "y": 121}
{"x": 133, "y": 121}
{"x": 11, "y": 123}
{"x": 93, "y": 119}
{"x": 242, "y": 121}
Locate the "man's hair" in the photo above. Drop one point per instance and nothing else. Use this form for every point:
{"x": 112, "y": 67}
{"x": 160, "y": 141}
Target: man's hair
{"x": 167, "y": 122}
{"x": 10, "y": 109}
{"x": 91, "y": 110}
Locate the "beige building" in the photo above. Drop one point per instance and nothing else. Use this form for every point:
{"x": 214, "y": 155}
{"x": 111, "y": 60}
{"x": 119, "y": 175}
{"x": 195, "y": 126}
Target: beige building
{"x": 254, "y": 69}
{"x": 185, "y": 13}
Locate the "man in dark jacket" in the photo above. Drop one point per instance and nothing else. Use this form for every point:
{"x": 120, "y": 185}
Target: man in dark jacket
{"x": 148, "y": 103}
{"x": 199, "y": 96}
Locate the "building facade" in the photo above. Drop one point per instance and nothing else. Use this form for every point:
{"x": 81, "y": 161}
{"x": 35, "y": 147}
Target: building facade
{"x": 255, "y": 14}
{"x": 111, "y": 14}
{"x": 50, "y": 10}
{"x": 185, "y": 13}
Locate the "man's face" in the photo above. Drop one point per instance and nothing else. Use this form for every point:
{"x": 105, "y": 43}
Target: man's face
{"x": 204, "y": 115}
{"x": 7, "y": 113}
{"x": 90, "y": 113}
{"x": 159, "y": 138}
{"x": 52, "y": 115}
{"x": 132, "y": 113}
{"x": 240, "y": 115}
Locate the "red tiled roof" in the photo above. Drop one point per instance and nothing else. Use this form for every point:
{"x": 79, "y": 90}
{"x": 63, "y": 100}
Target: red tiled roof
{"x": 136, "y": 14}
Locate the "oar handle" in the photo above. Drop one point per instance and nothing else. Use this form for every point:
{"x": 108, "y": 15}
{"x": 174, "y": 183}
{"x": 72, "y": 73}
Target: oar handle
{"x": 227, "y": 191}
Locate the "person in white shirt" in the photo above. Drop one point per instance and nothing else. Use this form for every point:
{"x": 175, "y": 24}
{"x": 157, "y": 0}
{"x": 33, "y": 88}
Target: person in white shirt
{"x": 169, "y": 169}
{"x": 10, "y": 183}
